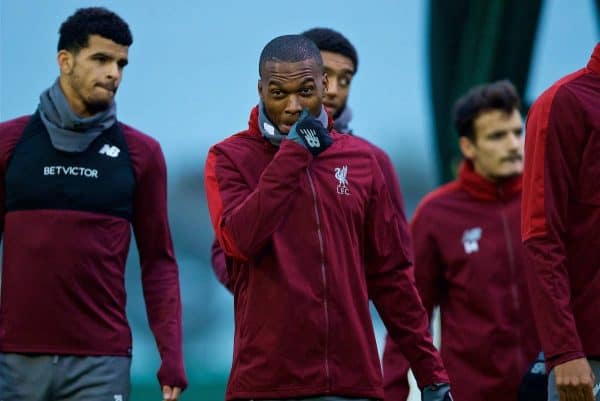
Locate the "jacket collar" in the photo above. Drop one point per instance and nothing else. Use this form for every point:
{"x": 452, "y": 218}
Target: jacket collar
{"x": 594, "y": 63}
{"x": 254, "y": 129}
{"x": 484, "y": 189}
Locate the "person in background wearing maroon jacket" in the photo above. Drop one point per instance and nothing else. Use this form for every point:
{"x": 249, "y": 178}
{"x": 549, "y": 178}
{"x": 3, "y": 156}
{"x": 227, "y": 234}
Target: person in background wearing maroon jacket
{"x": 561, "y": 229}
{"x": 312, "y": 232}
{"x": 340, "y": 61}
{"x": 74, "y": 181}
{"x": 469, "y": 257}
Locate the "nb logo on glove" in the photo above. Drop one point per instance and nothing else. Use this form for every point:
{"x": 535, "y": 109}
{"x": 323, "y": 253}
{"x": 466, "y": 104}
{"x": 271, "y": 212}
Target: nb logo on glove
{"x": 311, "y": 137}
{"x": 310, "y": 133}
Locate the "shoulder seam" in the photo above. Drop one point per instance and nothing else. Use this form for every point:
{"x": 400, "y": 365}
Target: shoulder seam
{"x": 433, "y": 196}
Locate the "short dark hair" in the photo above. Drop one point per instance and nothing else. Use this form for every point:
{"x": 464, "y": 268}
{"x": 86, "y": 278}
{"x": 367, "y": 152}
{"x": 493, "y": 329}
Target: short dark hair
{"x": 329, "y": 40}
{"x": 291, "y": 49}
{"x": 76, "y": 29}
{"x": 499, "y": 95}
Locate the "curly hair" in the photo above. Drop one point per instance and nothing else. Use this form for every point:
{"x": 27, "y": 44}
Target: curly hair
{"x": 499, "y": 95}
{"x": 76, "y": 29}
{"x": 332, "y": 41}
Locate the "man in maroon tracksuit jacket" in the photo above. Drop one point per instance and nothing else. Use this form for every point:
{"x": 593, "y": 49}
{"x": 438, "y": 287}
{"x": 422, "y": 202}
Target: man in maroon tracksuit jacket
{"x": 340, "y": 61}
{"x": 312, "y": 232}
{"x": 469, "y": 257}
{"x": 561, "y": 229}
{"x": 74, "y": 181}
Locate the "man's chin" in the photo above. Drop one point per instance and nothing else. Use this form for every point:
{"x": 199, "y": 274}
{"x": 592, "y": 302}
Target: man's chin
{"x": 98, "y": 106}
{"x": 334, "y": 112}
{"x": 508, "y": 175}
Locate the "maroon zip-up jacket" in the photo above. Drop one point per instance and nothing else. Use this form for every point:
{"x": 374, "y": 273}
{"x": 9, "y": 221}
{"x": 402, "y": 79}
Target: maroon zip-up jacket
{"x": 311, "y": 240}
{"x": 561, "y": 214}
{"x": 219, "y": 260}
{"x": 469, "y": 261}
{"x": 66, "y": 221}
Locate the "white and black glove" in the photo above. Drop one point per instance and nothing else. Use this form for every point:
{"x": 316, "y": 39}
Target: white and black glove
{"x": 310, "y": 133}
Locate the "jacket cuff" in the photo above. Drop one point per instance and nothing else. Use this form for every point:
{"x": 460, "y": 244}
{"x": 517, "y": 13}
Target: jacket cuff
{"x": 171, "y": 378}
{"x": 562, "y": 358}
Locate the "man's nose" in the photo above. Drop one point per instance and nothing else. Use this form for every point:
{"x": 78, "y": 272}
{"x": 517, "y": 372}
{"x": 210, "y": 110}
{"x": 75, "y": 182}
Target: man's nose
{"x": 113, "y": 72}
{"x": 332, "y": 87}
{"x": 515, "y": 140}
{"x": 293, "y": 106}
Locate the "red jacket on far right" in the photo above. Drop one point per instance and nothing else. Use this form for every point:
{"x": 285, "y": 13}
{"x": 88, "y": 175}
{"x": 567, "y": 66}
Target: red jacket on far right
{"x": 561, "y": 214}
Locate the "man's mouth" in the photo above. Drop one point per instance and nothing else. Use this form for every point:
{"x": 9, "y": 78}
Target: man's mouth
{"x": 284, "y": 128}
{"x": 512, "y": 159}
{"x": 108, "y": 87}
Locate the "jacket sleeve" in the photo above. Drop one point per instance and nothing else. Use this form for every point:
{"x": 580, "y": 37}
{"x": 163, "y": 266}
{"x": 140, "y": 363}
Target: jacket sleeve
{"x": 429, "y": 279}
{"x": 395, "y": 365}
{"x": 160, "y": 275}
{"x": 553, "y": 149}
{"x": 395, "y": 372}
{"x": 392, "y": 287}
{"x": 391, "y": 179}
{"x": 393, "y": 184}
{"x": 10, "y": 133}
{"x": 219, "y": 264}
{"x": 244, "y": 218}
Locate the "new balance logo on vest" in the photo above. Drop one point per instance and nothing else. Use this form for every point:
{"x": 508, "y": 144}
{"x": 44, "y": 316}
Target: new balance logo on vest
{"x": 311, "y": 137}
{"x": 109, "y": 150}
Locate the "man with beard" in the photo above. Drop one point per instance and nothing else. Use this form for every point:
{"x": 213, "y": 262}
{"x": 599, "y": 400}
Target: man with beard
{"x": 469, "y": 259}
{"x": 75, "y": 181}
{"x": 312, "y": 234}
{"x": 341, "y": 64}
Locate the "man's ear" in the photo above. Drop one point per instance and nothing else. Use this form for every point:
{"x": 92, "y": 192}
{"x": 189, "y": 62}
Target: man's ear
{"x": 65, "y": 60}
{"x": 467, "y": 147}
{"x": 260, "y": 88}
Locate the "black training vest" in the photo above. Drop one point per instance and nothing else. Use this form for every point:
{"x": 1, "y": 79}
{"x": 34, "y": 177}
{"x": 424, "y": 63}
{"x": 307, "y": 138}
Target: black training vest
{"x": 100, "y": 179}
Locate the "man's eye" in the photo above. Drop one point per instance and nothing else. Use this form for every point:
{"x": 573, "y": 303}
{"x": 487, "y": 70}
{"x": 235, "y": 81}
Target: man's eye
{"x": 276, "y": 92}
{"x": 345, "y": 81}
{"x": 307, "y": 91}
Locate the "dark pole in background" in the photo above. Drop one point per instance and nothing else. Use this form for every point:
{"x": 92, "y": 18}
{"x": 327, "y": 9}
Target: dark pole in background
{"x": 472, "y": 42}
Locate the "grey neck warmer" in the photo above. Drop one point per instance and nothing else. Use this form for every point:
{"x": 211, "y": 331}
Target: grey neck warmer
{"x": 69, "y": 132}
{"x": 342, "y": 121}
{"x": 269, "y": 130}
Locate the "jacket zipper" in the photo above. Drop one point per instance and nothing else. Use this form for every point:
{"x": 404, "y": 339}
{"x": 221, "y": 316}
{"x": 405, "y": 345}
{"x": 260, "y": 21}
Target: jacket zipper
{"x": 514, "y": 288}
{"x": 323, "y": 275}
{"x": 511, "y": 260}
